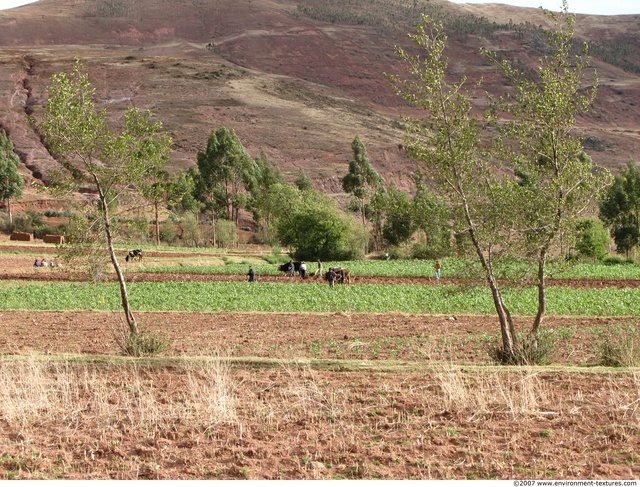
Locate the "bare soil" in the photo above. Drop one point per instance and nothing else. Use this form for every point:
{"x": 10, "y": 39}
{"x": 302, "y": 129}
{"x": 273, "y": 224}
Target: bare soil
{"x": 311, "y": 396}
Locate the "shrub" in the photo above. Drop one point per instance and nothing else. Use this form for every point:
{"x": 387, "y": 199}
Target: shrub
{"x": 27, "y": 221}
{"x": 5, "y": 225}
{"x": 226, "y": 233}
{"x": 614, "y": 260}
{"x": 592, "y": 238}
{"x": 191, "y": 233}
{"x": 141, "y": 344}
{"x": 168, "y": 232}
{"x": 530, "y": 350}
{"x": 619, "y": 346}
{"x": 316, "y": 229}
{"x": 276, "y": 258}
{"x": 395, "y": 253}
{"x": 427, "y": 251}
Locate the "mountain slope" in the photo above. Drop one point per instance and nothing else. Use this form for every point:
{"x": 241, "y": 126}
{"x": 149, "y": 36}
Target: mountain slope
{"x": 296, "y": 79}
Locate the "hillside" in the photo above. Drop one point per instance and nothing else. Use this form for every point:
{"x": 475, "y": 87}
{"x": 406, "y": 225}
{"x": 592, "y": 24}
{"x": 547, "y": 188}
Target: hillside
{"x": 297, "y": 79}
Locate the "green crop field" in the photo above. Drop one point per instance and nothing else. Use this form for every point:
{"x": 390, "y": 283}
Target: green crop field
{"x": 274, "y": 297}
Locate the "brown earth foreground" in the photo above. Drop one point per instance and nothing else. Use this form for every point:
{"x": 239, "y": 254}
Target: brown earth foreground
{"x": 308, "y": 396}
{"x": 327, "y": 396}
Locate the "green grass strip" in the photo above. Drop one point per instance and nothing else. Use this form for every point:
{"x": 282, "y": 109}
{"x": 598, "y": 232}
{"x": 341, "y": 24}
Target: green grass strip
{"x": 275, "y": 297}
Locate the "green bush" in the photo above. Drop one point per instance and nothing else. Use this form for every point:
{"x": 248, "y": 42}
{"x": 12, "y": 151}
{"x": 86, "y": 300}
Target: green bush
{"x": 276, "y": 259}
{"x": 529, "y": 351}
{"x": 42, "y": 230}
{"x": 317, "y": 229}
{"x": 168, "y": 232}
{"x": 141, "y": 344}
{"x": 619, "y": 346}
{"x": 615, "y": 260}
{"x": 592, "y": 238}
{"x": 396, "y": 253}
{"x": 426, "y": 251}
{"x": 191, "y": 233}
{"x": 226, "y": 233}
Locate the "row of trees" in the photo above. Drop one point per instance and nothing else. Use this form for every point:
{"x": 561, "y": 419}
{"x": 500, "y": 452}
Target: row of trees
{"x": 227, "y": 180}
{"x": 392, "y": 216}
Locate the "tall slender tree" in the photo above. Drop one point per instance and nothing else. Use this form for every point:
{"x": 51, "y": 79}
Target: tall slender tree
{"x": 114, "y": 164}
{"x": 559, "y": 181}
{"x": 516, "y": 194}
{"x": 362, "y": 177}
{"x": 161, "y": 189}
{"x": 225, "y": 168}
{"x": 11, "y": 183}
{"x": 266, "y": 177}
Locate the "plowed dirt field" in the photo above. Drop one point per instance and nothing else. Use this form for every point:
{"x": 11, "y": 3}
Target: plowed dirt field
{"x": 306, "y": 396}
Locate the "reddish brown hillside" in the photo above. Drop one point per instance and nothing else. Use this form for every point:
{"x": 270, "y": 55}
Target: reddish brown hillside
{"x": 296, "y": 79}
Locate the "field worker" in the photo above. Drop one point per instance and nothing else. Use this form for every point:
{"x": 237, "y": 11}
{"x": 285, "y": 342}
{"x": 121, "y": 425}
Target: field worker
{"x": 303, "y": 270}
{"x": 252, "y": 274}
{"x": 438, "y": 267}
{"x": 319, "y": 271}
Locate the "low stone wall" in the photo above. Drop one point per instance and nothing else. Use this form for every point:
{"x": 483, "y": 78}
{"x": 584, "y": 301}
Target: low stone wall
{"x": 22, "y": 236}
{"x": 56, "y": 239}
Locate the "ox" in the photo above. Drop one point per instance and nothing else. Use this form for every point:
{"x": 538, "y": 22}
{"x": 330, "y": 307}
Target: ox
{"x": 340, "y": 275}
{"x": 285, "y": 267}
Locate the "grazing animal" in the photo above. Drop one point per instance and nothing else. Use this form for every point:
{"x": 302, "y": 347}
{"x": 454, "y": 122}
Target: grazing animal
{"x": 135, "y": 254}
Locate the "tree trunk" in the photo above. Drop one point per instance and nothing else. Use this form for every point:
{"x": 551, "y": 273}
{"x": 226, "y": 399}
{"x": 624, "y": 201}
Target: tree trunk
{"x": 542, "y": 296}
{"x": 157, "y": 225}
{"x": 131, "y": 321}
{"x": 507, "y": 328}
{"x": 213, "y": 229}
{"x": 9, "y": 210}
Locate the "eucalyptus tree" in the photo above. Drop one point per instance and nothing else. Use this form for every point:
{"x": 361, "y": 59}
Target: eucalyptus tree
{"x": 362, "y": 179}
{"x": 620, "y": 208}
{"x": 225, "y": 168}
{"x": 516, "y": 190}
{"x": 265, "y": 178}
{"x": 112, "y": 163}
{"x": 162, "y": 189}
{"x": 11, "y": 183}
